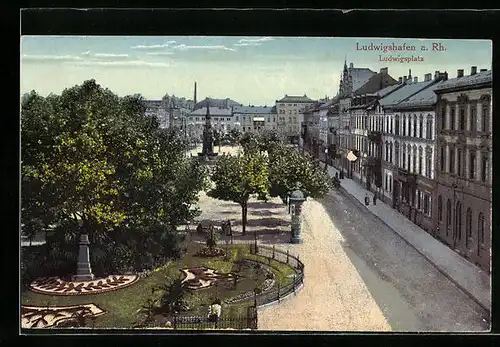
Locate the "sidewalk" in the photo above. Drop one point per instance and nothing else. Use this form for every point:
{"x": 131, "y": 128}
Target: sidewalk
{"x": 475, "y": 282}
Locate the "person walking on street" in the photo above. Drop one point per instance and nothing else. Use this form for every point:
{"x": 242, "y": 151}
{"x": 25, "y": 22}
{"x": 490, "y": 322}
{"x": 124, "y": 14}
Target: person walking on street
{"x": 367, "y": 199}
{"x": 375, "y": 198}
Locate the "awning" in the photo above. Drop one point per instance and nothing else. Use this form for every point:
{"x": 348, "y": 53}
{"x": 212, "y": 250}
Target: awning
{"x": 351, "y": 156}
{"x": 258, "y": 119}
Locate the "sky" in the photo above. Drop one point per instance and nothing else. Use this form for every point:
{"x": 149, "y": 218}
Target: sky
{"x": 250, "y": 70}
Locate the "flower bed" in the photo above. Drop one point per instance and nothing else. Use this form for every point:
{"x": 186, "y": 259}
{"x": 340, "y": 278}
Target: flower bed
{"x": 57, "y": 286}
{"x": 47, "y": 317}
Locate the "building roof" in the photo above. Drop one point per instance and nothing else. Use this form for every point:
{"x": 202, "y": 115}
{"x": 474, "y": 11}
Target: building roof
{"x": 467, "y": 81}
{"x": 383, "y": 92}
{"x": 360, "y": 76}
{"x": 153, "y": 103}
{"x": 404, "y": 92}
{"x": 295, "y": 98}
{"x": 214, "y": 111}
{"x": 376, "y": 82}
{"x": 221, "y": 103}
{"x": 425, "y": 97}
{"x": 253, "y": 109}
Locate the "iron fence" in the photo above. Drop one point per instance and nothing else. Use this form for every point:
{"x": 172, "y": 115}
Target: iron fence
{"x": 248, "y": 321}
{"x": 280, "y": 291}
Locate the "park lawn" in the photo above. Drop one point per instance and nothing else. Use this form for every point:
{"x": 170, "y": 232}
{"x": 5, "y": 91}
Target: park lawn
{"x": 121, "y": 306}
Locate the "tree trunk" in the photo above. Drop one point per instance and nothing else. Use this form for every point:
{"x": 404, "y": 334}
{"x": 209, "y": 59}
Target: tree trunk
{"x": 244, "y": 211}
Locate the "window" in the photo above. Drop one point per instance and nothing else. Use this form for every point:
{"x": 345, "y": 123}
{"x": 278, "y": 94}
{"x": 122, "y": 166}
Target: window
{"x": 274, "y": 119}
{"x": 462, "y": 119}
{"x": 442, "y": 159}
{"x": 397, "y": 124}
{"x": 428, "y": 164}
{"x": 386, "y": 182}
{"x": 451, "y": 169}
{"x": 480, "y": 232}
{"x": 420, "y": 160}
{"x": 390, "y": 152}
{"x": 485, "y": 119}
{"x": 443, "y": 118}
{"x": 458, "y": 221}
{"x": 468, "y": 228}
{"x": 473, "y": 119}
{"x": 428, "y": 131}
{"x": 452, "y": 118}
{"x": 448, "y": 216}
{"x": 419, "y": 198}
{"x": 472, "y": 165}
{"x": 404, "y": 125}
{"x": 421, "y": 127}
{"x": 426, "y": 204}
{"x": 459, "y": 162}
{"x": 414, "y": 159}
{"x": 390, "y": 124}
{"x": 440, "y": 208}
{"x": 390, "y": 183}
{"x": 404, "y": 157}
{"x": 386, "y": 151}
{"x": 484, "y": 167}
{"x": 414, "y": 125}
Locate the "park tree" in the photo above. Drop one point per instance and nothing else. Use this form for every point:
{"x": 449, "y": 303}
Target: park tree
{"x": 95, "y": 163}
{"x": 251, "y": 142}
{"x": 234, "y": 137}
{"x": 237, "y": 178}
{"x": 290, "y": 169}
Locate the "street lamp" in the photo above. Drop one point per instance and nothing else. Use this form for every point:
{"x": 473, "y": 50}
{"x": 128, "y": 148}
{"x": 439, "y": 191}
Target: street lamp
{"x": 326, "y": 159}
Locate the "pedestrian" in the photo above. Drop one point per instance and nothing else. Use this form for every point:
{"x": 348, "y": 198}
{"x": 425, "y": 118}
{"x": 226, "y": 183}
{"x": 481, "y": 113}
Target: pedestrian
{"x": 336, "y": 175}
{"x": 375, "y": 198}
{"x": 367, "y": 200}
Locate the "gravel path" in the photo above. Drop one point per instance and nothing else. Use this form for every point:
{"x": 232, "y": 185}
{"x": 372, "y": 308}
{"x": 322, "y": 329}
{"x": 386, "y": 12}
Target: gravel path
{"x": 334, "y": 296}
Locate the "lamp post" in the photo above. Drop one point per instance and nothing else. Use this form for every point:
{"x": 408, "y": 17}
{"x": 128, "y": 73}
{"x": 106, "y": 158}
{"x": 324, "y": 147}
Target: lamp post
{"x": 326, "y": 159}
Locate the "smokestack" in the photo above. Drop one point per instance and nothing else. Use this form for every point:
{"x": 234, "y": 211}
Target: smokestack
{"x": 473, "y": 70}
{"x": 483, "y": 70}
{"x": 195, "y": 93}
{"x": 427, "y": 77}
{"x": 400, "y": 79}
{"x": 415, "y": 79}
{"x": 460, "y": 73}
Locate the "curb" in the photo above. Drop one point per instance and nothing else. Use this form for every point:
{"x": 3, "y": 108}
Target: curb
{"x": 443, "y": 272}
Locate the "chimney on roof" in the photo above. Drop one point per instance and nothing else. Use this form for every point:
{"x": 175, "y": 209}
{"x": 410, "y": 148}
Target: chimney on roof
{"x": 409, "y": 74}
{"x": 405, "y": 79}
{"x": 460, "y": 73}
{"x": 415, "y": 79}
{"x": 473, "y": 70}
{"x": 436, "y": 75}
{"x": 351, "y": 65}
{"x": 483, "y": 70}
{"x": 384, "y": 70}
{"x": 427, "y": 77}
{"x": 400, "y": 79}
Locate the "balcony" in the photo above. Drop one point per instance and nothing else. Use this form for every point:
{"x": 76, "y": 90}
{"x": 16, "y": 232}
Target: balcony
{"x": 375, "y": 136}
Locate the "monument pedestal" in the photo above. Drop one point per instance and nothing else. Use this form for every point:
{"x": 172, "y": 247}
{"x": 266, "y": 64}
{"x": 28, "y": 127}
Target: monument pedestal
{"x": 83, "y": 269}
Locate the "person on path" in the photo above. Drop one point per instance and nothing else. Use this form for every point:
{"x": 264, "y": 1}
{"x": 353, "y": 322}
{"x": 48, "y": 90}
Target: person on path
{"x": 375, "y": 198}
{"x": 367, "y": 199}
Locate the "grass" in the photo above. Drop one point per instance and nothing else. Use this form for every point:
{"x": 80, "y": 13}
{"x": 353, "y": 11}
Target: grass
{"x": 121, "y": 306}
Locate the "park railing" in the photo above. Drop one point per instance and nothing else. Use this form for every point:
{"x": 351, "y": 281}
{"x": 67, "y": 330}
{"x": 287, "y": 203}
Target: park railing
{"x": 248, "y": 321}
{"x": 279, "y": 292}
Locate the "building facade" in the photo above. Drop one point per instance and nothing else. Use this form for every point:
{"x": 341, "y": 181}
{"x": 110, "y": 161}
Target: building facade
{"x": 158, "y": 109}
{"x": 254, "y": 118}
{"x": 462, "y": 210}
{"x": 288, "y": 111}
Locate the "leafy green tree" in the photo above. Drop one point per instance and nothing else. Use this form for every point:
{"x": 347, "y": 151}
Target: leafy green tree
{"x": 250, "y": 142}
{"x": 95, "y": 163}
{"x": 234, "y": 136}
{"x": 290, "y": 169}
{"x": 237, "y": 178}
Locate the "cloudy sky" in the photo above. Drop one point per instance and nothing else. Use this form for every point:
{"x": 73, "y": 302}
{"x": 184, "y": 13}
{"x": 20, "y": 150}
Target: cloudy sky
{"x": 250, "y": 70}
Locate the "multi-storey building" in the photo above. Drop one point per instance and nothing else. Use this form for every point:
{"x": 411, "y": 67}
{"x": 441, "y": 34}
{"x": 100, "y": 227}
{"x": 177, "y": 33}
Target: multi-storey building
{"x": 254, "y": 118}
{"x": 418, "y": 111}
{"x": 351, "y": 80}
{"x": 462, "y": 210}
{"x": 288, "y": 111}
{"x": 158, "y": 109}
{"x": 365, "y": 128}
{"x": 397, "y": 168}
{"x": 221, "y": 119}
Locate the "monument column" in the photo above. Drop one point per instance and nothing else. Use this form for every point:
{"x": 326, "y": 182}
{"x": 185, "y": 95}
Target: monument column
{"x": 83, "y": 270}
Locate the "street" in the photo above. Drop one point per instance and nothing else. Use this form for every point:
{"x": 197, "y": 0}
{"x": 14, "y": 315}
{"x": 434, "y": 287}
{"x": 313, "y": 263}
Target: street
{"x": 379, "y": 282}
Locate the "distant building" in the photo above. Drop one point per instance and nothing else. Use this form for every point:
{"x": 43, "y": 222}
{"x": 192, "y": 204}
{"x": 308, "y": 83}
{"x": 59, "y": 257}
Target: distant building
{"x": 221, "y": 119}
{"x": 220, "y": 103}
{"x": 463, "y": 209}
{"x": 254, "y": 118}
{"x": 158, "y": 109}
{"x": 288, "y": 111}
